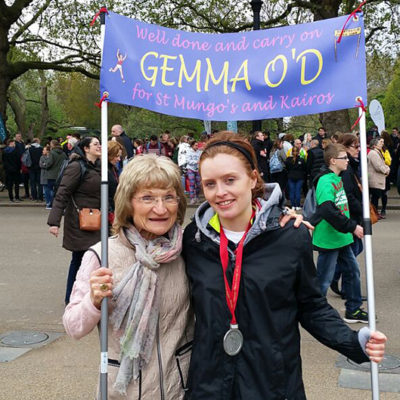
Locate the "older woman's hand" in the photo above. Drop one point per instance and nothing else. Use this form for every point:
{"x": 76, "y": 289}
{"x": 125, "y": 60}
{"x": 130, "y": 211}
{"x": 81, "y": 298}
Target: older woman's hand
{"x": 101, "y": 285}
{"x": 290, "y": 214}
{"x": 375, "y": 347}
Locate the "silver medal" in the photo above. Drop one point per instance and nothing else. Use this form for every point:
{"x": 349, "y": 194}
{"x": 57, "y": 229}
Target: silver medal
{"x": 233, "y": 341}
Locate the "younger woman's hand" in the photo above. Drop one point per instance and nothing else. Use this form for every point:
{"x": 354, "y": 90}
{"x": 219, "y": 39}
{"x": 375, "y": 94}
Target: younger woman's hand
{"x": 101, "y": 285}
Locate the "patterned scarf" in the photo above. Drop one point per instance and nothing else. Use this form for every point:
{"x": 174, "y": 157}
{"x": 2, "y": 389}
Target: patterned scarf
{"x": 137, "y": 301}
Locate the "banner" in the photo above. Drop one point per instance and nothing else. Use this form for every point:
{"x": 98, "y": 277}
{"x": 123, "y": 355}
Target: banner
{"x": 280, "y": 72}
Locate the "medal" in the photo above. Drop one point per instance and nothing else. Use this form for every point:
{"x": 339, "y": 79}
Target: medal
{"x": 233, "y": 339}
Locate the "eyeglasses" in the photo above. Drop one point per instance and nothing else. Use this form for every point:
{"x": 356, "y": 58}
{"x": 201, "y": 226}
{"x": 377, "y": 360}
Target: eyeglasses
{"x": 169, "y": 200}
{"x": 342, "y": 158}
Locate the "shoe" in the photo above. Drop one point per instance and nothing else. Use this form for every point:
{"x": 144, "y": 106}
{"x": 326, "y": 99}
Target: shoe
{"x": 18, "y": 200}
{"x": 335, "y": 288}
{"x": 48, "y": 208}
{"x": 357, "y": 316}
{"x": 383, "y": 213}
{"x": 380, "y": 216}
{"x": 2, "y": 187}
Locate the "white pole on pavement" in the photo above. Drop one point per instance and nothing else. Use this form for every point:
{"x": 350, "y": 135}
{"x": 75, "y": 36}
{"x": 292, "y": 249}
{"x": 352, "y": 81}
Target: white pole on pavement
{"x": 104, "y": 233}
{"x": 368, "y": 247}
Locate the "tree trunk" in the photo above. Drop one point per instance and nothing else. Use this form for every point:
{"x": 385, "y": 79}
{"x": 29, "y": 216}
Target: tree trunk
{"x": 5, "y": 81}
{"x": 44, "y": 119}
{"x": 17, "y": 101}
{"x": 335, "y": 120}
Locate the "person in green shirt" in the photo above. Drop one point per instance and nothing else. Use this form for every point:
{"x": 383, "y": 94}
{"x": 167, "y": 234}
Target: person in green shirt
{"x": 334, "y": 234}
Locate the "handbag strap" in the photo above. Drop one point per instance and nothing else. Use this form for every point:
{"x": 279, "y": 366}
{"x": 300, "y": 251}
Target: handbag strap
{"x": 75, "y": 205}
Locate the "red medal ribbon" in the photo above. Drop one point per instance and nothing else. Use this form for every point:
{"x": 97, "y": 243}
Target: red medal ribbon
{"x": 232, "y": 294}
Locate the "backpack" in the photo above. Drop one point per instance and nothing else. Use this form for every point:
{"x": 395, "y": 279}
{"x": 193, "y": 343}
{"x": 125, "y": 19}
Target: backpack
{"x": 26, "y": 158}
{"x": 310, "y": 207}
{"x": 159, "y": 148}
{"x": 275, "y": 165}
{"x": 60, "y": 175}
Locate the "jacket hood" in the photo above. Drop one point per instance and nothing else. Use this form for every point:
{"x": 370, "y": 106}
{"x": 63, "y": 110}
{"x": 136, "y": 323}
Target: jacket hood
{"x": 37, "y": 145}
{"x": 268, "y": 212}
{"x": 58, "y": 150}
{"x": 323, "y": 171}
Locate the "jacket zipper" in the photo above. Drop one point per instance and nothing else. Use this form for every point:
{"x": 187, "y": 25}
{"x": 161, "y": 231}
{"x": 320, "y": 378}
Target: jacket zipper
{"x": 160, "y": 362}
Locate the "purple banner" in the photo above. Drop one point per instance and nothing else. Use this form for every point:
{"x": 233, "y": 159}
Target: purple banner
{"x": 273, "y": 73}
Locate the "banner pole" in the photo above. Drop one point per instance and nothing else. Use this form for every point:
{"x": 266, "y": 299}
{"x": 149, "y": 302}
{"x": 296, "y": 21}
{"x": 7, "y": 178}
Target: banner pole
{"x": 104, "y": 234}
{"x": 368, "y": 247}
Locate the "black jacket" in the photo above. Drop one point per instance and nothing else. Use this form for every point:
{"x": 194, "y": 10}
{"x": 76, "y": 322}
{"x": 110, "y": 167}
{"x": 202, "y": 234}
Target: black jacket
{"x": 128, "y": 144}
{"x": 315, "y": 160}
{"x": 278, "y": 290}
{"x": 353, "y": 192}
{"x": 35, "y": 152}
{"x": 295, "y": 171}
{"x": 11, "y": 160}
{"x": 259, "y": 146}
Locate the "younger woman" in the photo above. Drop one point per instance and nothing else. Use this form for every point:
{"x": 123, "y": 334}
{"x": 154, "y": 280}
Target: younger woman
{"x": 296, "y": 170}
{"x": 192, "y": 159}
{"x": 250, "y": 290}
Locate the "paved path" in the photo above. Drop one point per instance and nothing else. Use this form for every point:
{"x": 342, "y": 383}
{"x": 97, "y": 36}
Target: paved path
{"x": 32, "y": 283}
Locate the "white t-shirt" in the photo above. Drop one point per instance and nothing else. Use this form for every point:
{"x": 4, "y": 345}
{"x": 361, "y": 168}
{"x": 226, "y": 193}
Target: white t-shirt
{"x": 233, "y": 236}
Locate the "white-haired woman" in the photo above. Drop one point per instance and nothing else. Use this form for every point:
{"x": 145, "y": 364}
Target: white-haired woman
{"x": 150, "y": 315}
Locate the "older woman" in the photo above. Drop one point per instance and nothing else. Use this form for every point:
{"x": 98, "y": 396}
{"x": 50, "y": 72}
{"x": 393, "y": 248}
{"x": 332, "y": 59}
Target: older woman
{"x": 79, "y": 188}
{"x": 377, "y": 170}
{"x": 150, "y": 315}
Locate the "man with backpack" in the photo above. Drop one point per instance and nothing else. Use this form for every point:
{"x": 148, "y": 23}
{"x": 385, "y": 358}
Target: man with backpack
{"x": 154, "y": 147}
{"x": 54, "y": 164}
{"x": 333, "y": 235}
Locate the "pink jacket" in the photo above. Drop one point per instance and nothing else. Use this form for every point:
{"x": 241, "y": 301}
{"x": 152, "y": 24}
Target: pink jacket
{"x": 176, "y": 323}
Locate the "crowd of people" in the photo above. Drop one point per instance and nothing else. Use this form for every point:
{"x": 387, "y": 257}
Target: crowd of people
{"x": 178, "y": 327}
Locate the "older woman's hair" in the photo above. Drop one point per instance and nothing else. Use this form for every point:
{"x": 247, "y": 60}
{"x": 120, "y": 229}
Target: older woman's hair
{"x": 113, "y": 149}
{"x": 374, "y": 142}
{"x": 146, "y": 171}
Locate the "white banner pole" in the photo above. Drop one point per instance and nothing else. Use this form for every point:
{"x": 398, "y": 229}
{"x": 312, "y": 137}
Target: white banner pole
{"x": 368, "y": 248}
{"x": 104, "y": 233}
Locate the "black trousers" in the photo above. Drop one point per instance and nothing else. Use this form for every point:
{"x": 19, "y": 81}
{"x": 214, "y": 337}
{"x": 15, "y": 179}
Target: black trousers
{"x": 12, "y": 182}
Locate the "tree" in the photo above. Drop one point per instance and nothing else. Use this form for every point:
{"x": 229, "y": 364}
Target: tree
{"x": 59, "y": 31}
{"x": 391, "y": 101}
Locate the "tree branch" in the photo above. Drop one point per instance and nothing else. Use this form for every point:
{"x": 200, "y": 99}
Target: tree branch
{"x": 14, "y": 11}
{"x": 373, "y": 31}
{"x": 41, "y": 40}
{"x": 24, "y": 27}
{"x": 20, "y": 67}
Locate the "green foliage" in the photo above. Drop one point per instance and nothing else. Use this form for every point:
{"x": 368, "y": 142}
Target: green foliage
{"x": 391, "y": 101}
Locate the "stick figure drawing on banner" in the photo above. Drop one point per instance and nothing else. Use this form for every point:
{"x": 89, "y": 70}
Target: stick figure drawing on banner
{"x": 118, "y": 66}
